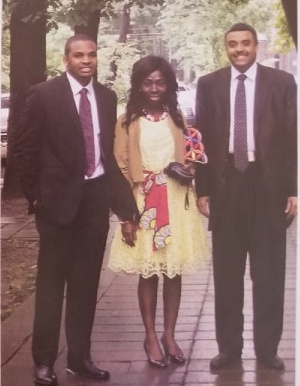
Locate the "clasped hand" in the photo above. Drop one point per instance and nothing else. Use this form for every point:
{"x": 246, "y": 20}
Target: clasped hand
{"x": 129, "y": 229}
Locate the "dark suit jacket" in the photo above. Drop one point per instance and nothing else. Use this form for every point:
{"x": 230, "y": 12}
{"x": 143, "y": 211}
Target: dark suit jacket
{"x": 275, "y": 129}
{"x": 50, "y": 151}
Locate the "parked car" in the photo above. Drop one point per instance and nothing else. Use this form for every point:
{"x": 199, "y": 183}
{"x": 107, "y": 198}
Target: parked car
{"x": 186, "y": 100}
{"x": 3, "y": 119}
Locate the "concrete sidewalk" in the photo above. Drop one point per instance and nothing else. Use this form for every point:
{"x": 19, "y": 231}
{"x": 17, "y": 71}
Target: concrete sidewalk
{"x": 117, "y": 340}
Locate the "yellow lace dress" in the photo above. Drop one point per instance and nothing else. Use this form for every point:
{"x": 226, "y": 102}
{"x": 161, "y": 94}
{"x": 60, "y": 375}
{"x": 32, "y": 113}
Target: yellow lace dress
{"x": 187, "y": 248}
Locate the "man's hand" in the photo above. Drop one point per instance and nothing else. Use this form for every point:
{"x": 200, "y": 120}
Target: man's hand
{"x": 291, "y": 207}
{"x": 129, "y": 229}
{"x": 203, "y": 205}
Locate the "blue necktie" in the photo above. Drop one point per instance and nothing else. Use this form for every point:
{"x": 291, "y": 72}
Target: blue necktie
{"x": 85, "y": 115}
{"x": 240, "y": 126}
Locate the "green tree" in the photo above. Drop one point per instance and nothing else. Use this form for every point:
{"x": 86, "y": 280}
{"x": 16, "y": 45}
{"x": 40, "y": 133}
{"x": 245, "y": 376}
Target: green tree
{"x": 286, "y": 37}
{"x": 122, "y": 42}
{"x": 195, "y": 29}
{"x": 5, "y": 63}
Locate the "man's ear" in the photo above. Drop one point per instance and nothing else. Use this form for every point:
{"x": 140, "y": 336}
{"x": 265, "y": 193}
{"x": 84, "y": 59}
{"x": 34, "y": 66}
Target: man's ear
{"x": 65, "y": 60}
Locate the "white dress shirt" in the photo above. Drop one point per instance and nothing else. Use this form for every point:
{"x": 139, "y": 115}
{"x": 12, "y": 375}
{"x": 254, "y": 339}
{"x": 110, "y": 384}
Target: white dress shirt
{"x": 250, "y": 93}
{"x": 76, "y": 88}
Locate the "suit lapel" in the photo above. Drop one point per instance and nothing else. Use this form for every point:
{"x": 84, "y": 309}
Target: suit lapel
{"x": 66, "y": 96}
{"x": 261, "y": 96}
{"x": 103, "y": 112}
{"x": 223, "y": 90}
{"x": 100, "y": 105}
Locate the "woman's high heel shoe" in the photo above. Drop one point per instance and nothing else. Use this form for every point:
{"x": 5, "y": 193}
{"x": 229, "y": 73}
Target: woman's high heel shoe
{"x": 160, "y": 363}
{"x": 177, "y": 359}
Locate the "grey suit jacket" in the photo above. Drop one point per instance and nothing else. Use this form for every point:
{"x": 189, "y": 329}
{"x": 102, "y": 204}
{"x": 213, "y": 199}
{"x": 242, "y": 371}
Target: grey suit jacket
{"x": 275, "y": 129}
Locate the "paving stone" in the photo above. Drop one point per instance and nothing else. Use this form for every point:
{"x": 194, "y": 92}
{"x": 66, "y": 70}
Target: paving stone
{"x": 118, "y": 333}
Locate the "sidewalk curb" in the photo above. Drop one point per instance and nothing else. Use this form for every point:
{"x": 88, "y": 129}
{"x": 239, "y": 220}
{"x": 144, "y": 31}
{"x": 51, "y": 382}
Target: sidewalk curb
{"x": 17, "y": 328}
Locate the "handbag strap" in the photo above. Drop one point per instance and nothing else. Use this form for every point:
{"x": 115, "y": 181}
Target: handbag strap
{"x": 186, "y": 201}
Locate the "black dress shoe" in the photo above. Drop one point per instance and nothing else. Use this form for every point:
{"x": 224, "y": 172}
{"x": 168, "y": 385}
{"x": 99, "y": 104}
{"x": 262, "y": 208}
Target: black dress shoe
{"x": 223, "y": 359}
{"x": 88, "y": 369}
{"x": 273, "y": 362}
{"x": 44, "y": 375}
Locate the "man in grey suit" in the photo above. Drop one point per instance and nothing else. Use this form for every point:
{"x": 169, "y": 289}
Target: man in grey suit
{"x": 64, "y": 150}
{"x": 248, "y": 189}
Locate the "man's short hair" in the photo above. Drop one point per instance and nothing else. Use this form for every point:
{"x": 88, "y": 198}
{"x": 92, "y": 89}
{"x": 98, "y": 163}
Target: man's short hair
{"x": 76, "y": 38}
{"x": 242, "y": 27}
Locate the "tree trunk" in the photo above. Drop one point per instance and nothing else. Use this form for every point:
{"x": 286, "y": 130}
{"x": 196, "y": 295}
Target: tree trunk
{"x": 92, "y": 26}
{"x": 125, "y": 24}
{"x": 290, "y": 10}
{"x": 124, "y": 30}
{"x": 27, "y": 67}
{"x": 90, "y": 29}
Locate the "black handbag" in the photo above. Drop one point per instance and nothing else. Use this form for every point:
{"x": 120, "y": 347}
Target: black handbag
{"x": 177, "y": 171}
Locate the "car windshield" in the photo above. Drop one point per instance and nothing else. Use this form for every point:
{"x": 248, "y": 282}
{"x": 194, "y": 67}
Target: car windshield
{"x": 182, "y": 88}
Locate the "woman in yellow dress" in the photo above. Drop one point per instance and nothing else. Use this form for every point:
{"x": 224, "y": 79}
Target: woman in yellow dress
{"x": 170, "y": 237}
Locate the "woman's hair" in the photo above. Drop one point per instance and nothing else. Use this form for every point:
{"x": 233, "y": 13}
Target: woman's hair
{"x": 140, "y": 70}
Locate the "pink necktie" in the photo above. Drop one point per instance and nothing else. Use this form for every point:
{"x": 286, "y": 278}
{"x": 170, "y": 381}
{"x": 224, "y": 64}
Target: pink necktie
{"x": 85, "y": 115}
{"x": 240, "y": 126}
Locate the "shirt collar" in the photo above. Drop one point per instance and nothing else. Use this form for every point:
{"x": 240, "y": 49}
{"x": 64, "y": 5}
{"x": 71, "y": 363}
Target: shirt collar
{"x": 76, "y": 86}
{"x": 250, "y": 73}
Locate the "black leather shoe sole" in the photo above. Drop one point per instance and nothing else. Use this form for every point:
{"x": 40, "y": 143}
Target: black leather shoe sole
{"x": 222, "y": 360}
{"x": 41, "y": 382}
{"x": 93, "y": 372}
{"x": 273, "y": 362}
{"x": 44, "y": 376}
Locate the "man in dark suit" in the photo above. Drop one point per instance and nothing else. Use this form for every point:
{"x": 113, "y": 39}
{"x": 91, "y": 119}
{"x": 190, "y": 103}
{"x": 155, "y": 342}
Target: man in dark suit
{"x": 248, "y": 190}
{"x": 64, "y": 150}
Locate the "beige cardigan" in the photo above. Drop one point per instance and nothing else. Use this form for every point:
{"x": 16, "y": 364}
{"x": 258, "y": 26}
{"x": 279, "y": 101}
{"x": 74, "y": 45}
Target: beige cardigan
{"x": 127, "y": 149}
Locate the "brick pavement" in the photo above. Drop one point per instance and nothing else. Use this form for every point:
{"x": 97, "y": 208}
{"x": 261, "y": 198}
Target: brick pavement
{"x": 117, "y": 340}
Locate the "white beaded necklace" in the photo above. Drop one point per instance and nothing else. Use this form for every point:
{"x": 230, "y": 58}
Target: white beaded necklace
{"x": 156, "y": 119}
